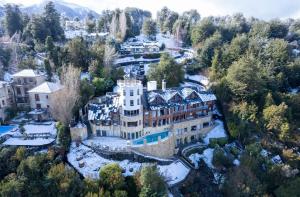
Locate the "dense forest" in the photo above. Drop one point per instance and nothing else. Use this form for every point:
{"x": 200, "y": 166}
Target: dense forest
{"x": 252, "y": 67}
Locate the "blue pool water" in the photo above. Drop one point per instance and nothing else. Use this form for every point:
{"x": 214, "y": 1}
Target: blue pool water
{"x": 5, "y": 129}
{"x": 151, "y": 138}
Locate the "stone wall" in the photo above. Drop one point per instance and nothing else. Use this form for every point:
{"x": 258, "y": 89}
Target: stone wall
{"x": 78, "y": 133}
{"x": 164, "y": 148}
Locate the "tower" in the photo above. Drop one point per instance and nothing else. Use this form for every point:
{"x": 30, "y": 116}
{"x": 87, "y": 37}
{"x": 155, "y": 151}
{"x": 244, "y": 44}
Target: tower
{"x": 131, "y": 111}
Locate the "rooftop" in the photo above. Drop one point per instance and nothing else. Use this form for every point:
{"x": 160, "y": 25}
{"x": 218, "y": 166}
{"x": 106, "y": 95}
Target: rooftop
{"x": 27, "y": 73}
{"x": 46, "y": 87}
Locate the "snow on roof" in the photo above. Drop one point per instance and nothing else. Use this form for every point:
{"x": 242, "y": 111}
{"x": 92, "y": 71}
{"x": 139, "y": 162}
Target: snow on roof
{"x": 26, "y": 73}
{"x": 46, "y": 87}
{"x": 37, "y": 129}
{"x": 32, "y": 142}
{"x": 174, "y": 172}
{"x": 207, "y": 97}
{"x": 183, "y": 92}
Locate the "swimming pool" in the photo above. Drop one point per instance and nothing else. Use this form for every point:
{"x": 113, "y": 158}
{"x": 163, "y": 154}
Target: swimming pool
{"x": 151, "y": 138}
{"x": 5, "y": 129}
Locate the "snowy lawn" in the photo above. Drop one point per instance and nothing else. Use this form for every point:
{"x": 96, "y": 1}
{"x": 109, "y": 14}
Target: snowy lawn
{"x": 199, "y": 78}
{"x": 217, "y": 132}
{"x": 22, "y": 142}
{"x": 111, "y": 142}
{"x": 174, "y": 173}
{"x": 37, "y": 129}
{"x": 93, "y": 162}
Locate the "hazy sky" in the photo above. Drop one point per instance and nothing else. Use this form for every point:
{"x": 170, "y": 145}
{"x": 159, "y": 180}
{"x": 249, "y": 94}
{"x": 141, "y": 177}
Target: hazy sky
{"x": 265, "y": 9}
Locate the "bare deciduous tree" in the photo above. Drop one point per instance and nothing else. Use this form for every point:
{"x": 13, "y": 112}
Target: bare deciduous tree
{"x": 109, "y": 55}
{"x": 68, "y": 97}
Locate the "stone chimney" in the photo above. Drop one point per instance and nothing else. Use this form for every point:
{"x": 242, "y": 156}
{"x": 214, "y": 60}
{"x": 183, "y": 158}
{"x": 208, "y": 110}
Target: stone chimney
{"x": 163, "y": 85}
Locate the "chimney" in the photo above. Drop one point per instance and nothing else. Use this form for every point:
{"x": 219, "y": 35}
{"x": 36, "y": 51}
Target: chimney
{"x": 163, "y": 85}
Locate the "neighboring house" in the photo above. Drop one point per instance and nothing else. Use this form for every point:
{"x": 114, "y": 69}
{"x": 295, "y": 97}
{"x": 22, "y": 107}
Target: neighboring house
{"x": 5, "y": 98}
{"x": 22, "y": 82}
{"x": 42, "y": 98}
{"x": 140, "y": 47}
{"x": 174, "y": 116}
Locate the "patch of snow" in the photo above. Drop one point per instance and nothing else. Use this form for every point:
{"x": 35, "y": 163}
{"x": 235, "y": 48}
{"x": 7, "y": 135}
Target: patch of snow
{"x": 175, "y": 172}
{"x": 217, "y": 132}
{"x": 207, "y": 156}
{"x": 40, "y": 129}
{"x": 294, "y": 91}
{"x": 276, "y": 160}
{"x": 198, "y": 78}
{"x": 29, "y": 142}
{"x": 236, "y": 162}
{"x": 85, "y": 75}
{"x": 8, "y": 77}
{"x": 189, "y": 84}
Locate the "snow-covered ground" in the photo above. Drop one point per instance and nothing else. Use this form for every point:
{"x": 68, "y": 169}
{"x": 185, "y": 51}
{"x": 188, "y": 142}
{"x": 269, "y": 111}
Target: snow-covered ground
{"x": 175, "y": 172}
{"x": 187, "y": 84}
{"x": 29, "y": 142}
{"x": 295, "y": 90}
{"x": 198, "y": 78}
{"x": 38, "y": 129}
{"x": 207, "y": 156}
{"x": 111, "y": 142}
{"x": 93, "y": 162}
{"x": 217, "y": 132}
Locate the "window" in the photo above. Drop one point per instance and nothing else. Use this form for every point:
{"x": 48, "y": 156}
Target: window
{"x": 124, "y": 102}
{"x": 194, "y": 128}
{"x": 18, "y": 91}
{"x": 138, "y": 92}
{"x": 38, "y": 106}
{"x": 131, "y": 112}
{"x": 98, "y": 132}
{"x": 206, "y": 124}
{"x": 131, "y": 92}
{"x": 132, "y": 124}
{"x": 131, "y": 102}
{"x": 37, "y": 97}
{"x": 47, "y": 97}
{"x": 138, "y": 101}
{"x": 3, "y": 102}
{"x": 185, "y": 129}
{"x": 124, "y": 92}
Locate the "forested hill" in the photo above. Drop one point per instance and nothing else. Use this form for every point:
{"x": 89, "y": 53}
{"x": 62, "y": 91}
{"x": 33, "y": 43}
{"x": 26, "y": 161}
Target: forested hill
{"x": 67, "y": 9}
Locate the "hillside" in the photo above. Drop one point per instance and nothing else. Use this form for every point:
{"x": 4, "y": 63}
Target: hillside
{"x": 66, "y": 9}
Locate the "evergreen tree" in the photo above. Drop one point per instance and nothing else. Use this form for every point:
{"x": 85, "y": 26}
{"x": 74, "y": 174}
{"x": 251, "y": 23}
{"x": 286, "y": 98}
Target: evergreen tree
{"x": 52, "y": 21}
{"x": 149, "y": 28}
{"x": 13, "y": 19}
{"x": 168, "y": 70}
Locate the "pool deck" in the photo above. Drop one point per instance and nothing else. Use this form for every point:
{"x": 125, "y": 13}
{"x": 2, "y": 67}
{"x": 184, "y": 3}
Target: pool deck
{"x": 6, "y": 129}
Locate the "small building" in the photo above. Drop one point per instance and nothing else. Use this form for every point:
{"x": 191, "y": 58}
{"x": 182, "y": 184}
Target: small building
{"x": 5, "y": 98}
{"x": 42, "y": 98}
{"x": 140, "y": 47}
{"x": 23, "y": 81}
